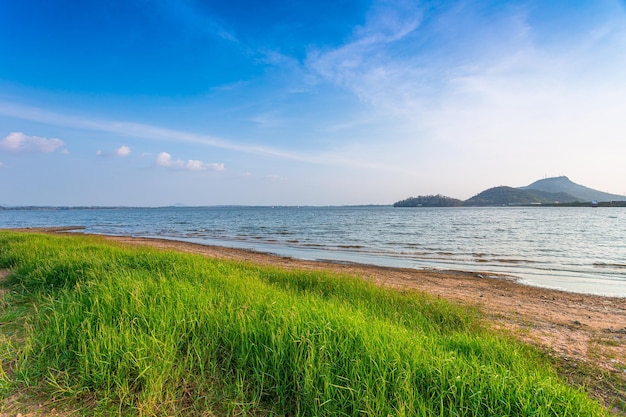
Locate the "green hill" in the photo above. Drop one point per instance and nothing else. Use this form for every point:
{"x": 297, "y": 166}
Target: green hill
{"x": 509, "y": 196}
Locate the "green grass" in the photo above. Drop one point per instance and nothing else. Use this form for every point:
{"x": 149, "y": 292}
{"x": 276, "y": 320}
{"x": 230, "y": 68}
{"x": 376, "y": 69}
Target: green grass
{"x": 148, "y": 332}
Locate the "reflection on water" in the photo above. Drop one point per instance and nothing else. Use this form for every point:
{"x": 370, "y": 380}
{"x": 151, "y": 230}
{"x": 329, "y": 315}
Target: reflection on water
{"x": 577, "y": 249}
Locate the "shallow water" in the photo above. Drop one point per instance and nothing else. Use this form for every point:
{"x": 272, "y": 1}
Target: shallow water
{"x": 577, "y": 249}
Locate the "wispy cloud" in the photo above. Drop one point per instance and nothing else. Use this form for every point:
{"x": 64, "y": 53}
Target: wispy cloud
{"x": 195, "y": 20}
{"x": 275, "y": 178}
{"x": 20, "y": 142}
{"x": 157, "y": 133}
{"x": 165, "y": 160}
{"x": 470, "y": 69}
{"x": 370, "y": 63}
{"x": 139, "y": 130}
{"x": 267, "y": 120}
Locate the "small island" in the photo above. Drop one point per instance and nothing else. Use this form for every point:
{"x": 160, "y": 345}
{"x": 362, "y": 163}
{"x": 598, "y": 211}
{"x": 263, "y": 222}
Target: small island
{"x": 429, "y": 201}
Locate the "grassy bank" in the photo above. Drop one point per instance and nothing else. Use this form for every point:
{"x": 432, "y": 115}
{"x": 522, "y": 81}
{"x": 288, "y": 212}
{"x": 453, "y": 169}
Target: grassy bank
{"x": 114, "y": 329}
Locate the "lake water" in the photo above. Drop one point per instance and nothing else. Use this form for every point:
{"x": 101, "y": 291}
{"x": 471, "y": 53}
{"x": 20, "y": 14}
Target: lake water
{"x": 575, "y": 249}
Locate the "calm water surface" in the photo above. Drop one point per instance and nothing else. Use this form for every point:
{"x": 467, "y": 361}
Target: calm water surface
{"x": 575, "y": 249}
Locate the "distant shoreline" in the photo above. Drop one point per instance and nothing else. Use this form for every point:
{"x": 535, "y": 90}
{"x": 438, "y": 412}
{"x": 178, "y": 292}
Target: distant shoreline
{"x": 585, "y": 204}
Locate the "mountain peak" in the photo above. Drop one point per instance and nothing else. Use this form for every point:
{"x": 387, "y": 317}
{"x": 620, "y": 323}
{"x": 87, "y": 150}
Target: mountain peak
{"x": 563, "y": 184}
{"x": 552, "y": 180}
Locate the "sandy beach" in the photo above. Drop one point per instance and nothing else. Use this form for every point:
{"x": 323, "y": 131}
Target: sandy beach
{"x": 580, "y": 331}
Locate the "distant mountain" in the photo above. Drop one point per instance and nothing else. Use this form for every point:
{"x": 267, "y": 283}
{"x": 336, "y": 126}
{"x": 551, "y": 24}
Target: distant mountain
{"x": 509, "y": 196}
{"x": 565, "y": 185}
{"x": 557, "y": 190}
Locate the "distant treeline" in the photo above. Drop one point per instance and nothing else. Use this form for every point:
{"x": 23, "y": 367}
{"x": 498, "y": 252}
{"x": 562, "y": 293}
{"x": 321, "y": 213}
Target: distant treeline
{"x": 429, "y": 201}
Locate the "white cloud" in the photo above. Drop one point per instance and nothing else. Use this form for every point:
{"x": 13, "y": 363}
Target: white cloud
{"x": 20, "y": 142}
{"x": 123, "y": 151}
{"x": 165, "y": 160}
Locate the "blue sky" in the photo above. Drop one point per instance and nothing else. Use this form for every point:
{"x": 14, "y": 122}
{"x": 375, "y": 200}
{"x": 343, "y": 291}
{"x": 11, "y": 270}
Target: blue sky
{"x": 140, "y": 102}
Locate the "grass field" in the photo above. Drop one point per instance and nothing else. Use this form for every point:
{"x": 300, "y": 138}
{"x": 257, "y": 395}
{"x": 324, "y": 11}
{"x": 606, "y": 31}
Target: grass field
{"x": 107, "y": 329}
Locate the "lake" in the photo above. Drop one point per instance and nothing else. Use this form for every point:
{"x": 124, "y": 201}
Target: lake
{"x": 577, "y": 249}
